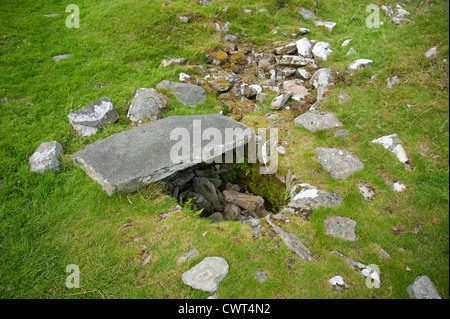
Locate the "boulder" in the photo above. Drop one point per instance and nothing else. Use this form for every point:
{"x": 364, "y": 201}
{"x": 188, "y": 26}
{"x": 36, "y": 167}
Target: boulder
{"x": 46, "y": 157}
{"x": 148, "y": 104}
{"x": 132, "y": 159}
{"x": 87, "y": 120}
{"x": 317, "y": 120}
{"x": 207, "y": 274}
{"x": 423, "y": 288}
{"x": 186, "y": 93}
{"x": 340, "y": 163}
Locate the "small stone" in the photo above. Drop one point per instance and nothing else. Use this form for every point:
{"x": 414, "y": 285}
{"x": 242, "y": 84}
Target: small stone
{"x": 51, "y": 14}
{"x": 394, "y": 145}
{"x": 341, "y": 133}
{"x": 423, "y": 288}
{"x": 322, "y": 50}
{"x": 393, "y": 81}
{"x": 265, "y": 11}
{"x": 431, "y": 52}
{"x": 304, "y": 30}
{"x": 282, "y": 217}
{"x": 184, "y": 19}
{"x": 343, "y": 97}
{"x": 341, "y": 227}
{"x": 317, "y": 120}
{"x": 148, "y": 104}
{"x": 176, "y": 61}
{"x": 189, "y": 255}
{"x": 307, "y": 14}
{"x": 398, "y": 187}
{"x": 46, "y": 157}
{"x": 57, "y": 58}
{"x": 261, "y": 276}
{"x": 304, "y": 48}
{"x": 207, "y": 274}
{"x": 280, "y": 100}
{"x": 186, "y": 93}
{"x": 328, "y": 24}
{"x": 311, "y": 196}
{"x": 147, "y": 260}
{"x": 358, "y": 64}
{"x": 216, "y": 217}
{"x": 338, "y": 282}
{"x": 351, "y": 51}
{"x": 138, "y": 239}
{"x": 367, "y": 192}
{"x": 346, "y": 42}
{"x": 231, "y": 212}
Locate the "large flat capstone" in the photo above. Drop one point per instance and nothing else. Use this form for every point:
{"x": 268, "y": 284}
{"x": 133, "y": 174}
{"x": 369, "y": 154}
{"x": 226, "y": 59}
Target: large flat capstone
{"x": 132, "y": 159}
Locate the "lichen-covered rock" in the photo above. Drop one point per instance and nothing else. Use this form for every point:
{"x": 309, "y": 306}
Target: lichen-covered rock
{"x": 340, "y": 163}
{"x": 46, "y": 157}
{"x": 207, "y": 274}
{"x": 147, "y": 105}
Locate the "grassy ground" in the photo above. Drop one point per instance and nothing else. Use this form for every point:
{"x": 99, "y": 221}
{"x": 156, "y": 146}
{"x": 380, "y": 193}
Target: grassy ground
{"x": 52, "y": 220}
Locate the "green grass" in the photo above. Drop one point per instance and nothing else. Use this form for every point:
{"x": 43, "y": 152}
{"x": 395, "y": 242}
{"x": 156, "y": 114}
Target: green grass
{"x": 49, "y": 221}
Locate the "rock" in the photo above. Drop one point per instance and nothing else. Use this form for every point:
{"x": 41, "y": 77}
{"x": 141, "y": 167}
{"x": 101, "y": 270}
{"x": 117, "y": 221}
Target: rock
{"x": 423, "y": 288}
{"x": 340, "y": 163}
{"x": 304, "y": 48}
{"x": 383, "y": 253}
{"x": 431, "y": 52}
{"x": 393, "y": 81}
{"x": 200, "y": 202}
{"x": 304, "y": 30}
{"x": 51, "y": 14}
{"x": 394, "y": 145}
{"x": 176, "y": 61}
{"x": 290, "y": 48}
{"x": 288, "y": 71}
{"x": 132, "y": 159}
{"x": 398, "y": 187}
{"x": 322, "y": 77}
{"x": 261, "y": 276}
{"x": 344, "y": 97}
{"x": 338, "y": 282}
{"x": 207, "y": 274}
{"x": 351, "y": 51}
{"x": 46, "y": 157}
{"x": 282, "y": 217}
{"x": 272, "y": 117}
{"x": 341, "y": 133}
{"x": 97, "y": 114}
{"x": 265, "y": 11}
{"x": 294, "y": 60}
{"x": 388, "y": 9}
{"x": 280, "y": 100}
{"x": 184, "y": 19}
{"x": 327, "y": 24}
{"x": 281, "y": 150}
{"x": 57, "y": 58}
{"x": 358, "y": 64}
{"x": 148, "y": 105}
{"x": 346, "y": 42}
{"x": 231, "y": 38}
{"x": 317, "y": 120}
{"x": 147, "y": 260}
{"x": 186, "y": 93}
{"x": 216, "y": 217}
{"x": 291, "y": 241}
{"x": 219, "y": 58}
{"x": 222, "y": 82}
{"x": 341, "y": 227}
{"x": 311, "y": 196}
{"x": 322, "y": 50}
{"x": 307, "y": 14}
{"x": 250, "y": 91}
{"x": 245, "y": 201}
{"x": 231, "y": 212}
{"x": 303, "y": 74}
{"x": 367, "y": 191}
{"x": 296, "y": 87}
{"x": 203, "y": 186}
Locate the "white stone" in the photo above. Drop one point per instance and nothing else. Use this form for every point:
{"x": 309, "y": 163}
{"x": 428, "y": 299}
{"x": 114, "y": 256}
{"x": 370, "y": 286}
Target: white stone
{"x": 322, "y": 50}
{"x": 46, "y": 157}
{"x": 207, "y": 274}
{"x": 431, "y": 52}
{"x": 304, "y": 48}
{"x": 398, "y": 187}
{"x": 329, "y": 25}
{"x": 346, "y": 42}
{"x": 393, "y": 144}
{"x": 359, "y": 64}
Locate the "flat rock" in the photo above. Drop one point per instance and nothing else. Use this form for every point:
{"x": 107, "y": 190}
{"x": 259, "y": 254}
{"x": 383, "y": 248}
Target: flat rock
{"x": 294, "y": 60}
{"x": 296, "y": 87}
{"x": 148, "y": 104}
{"x": 189, "y": 255}
{"x": 186, "y": 93}
{"x": 317, "y": 120}
{"x": 308, "y": 195}
{"x": 261, "y": 276}
{"x": 245, "y": 201}
{"x": 327, "y": 24}
{"x": 132, "y": 159}
{"x": 87, "y": 120}
{"x": 175, "y": 61}
{"x": 322, "y": 77}
{"x": 207, "y": 274}
{"x": 46, "y": 157}
{"x": 57, "y": 58}
{"x": 222, "y": 82}
{"x": 307, "y": 14}
{"x": 392, "y": 81}
{"x": 431, "y": 52}
{"x": 231, "y": 212}
{"x": 366, "y": 191}
{"x": 393, "y": 144}
{"x": 358, "y": 64}
{"x": 423, "y": 288}
{"x": 341, "y": 227}
{"x": 280, "y": 100}
{"x": 291, "y": 241}
{"x": 340, "y": 163}
{"x": 351, "y": 51}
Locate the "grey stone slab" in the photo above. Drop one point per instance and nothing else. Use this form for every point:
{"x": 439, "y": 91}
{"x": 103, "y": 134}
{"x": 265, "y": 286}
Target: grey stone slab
{"x": 318, "y": 120}
{"x": 132, "y": 159}
{"x": 423, "y": 288}
{"x": 308, "y": 195}
{"x": 186, "y": 93}
{"x": 207, "y": 274}
{"x": 341, "y": 227}
{"x": 340, "y": 163}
